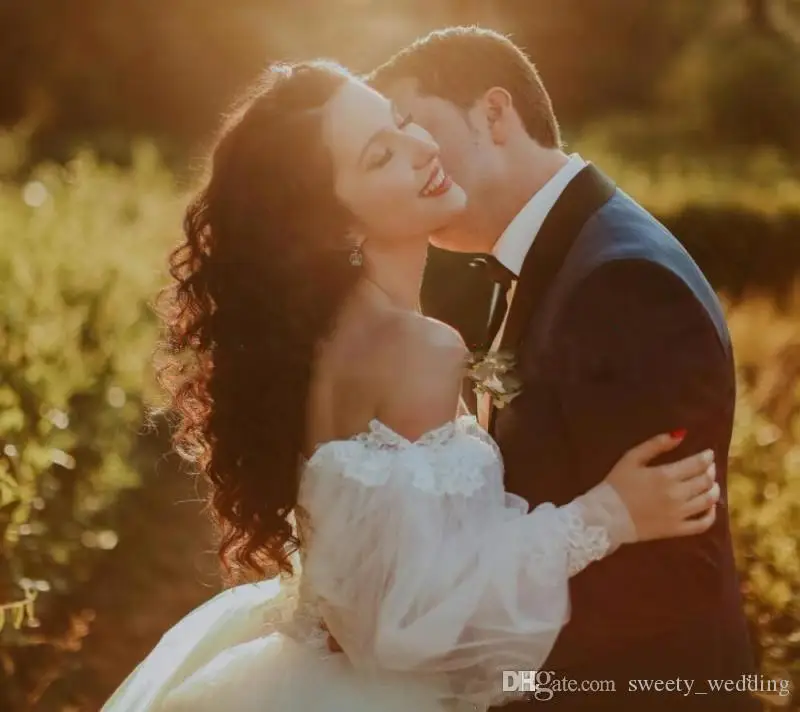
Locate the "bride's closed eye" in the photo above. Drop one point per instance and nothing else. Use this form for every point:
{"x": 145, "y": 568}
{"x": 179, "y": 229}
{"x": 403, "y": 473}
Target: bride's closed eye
{"x": 381, "y": 160}
{"x": 386, "y": 156}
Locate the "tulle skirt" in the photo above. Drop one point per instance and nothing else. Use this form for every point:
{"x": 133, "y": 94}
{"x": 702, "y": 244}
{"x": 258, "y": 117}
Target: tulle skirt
{"x": 222, "y": 657}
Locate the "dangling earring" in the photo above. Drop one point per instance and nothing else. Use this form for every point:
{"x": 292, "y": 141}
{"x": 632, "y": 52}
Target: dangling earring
{"x": 356, "y": 256}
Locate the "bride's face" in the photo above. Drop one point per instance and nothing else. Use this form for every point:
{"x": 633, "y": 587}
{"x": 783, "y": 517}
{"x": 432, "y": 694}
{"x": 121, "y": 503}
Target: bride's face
{"x": 387, "y": 168}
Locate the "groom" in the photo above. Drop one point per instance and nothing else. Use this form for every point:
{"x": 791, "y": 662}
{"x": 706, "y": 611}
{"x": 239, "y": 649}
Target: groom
{"x": 617, "y": 337}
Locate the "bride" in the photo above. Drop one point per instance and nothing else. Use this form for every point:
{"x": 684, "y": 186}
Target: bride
{"x": 323, "y": 409}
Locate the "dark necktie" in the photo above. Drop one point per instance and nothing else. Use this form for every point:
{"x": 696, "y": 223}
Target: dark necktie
{"x": 503, "y": 278}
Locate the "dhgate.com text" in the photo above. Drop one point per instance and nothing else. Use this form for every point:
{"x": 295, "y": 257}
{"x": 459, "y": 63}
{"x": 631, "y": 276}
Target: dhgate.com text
{"x": 543, "y": 685}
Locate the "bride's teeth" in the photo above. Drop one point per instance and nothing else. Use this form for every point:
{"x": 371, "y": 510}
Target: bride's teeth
{"x": 436, "y": 183}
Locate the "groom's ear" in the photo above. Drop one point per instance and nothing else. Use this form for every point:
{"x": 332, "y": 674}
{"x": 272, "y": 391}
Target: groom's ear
{"x": 499, "y": 114}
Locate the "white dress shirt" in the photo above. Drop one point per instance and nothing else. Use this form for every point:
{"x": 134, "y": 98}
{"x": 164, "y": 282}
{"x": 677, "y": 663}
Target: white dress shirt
{"x": 516, "y": 240}
{"x": 513, "y": 245}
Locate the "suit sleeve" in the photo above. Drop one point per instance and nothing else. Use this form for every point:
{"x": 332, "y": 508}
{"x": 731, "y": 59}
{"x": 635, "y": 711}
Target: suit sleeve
{"x": 636, "y": 354}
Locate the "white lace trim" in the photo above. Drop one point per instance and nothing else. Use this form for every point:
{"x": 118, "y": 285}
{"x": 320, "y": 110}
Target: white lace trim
{"x": 585, "y": 543}
{"x": 449, "y": 460}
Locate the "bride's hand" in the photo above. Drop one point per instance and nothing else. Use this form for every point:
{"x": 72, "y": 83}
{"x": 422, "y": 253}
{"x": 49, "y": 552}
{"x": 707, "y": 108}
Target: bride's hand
{"x": 666, "y": 500}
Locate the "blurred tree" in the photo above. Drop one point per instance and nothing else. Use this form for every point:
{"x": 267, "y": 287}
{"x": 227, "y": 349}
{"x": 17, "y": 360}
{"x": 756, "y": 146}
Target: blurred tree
{"x": 759, "y": 14}
{"x": 106, "y": 68}
{"x": 103, "y": 70}
{"x": 738, "y": 83}
{"x": 602, "y": 58}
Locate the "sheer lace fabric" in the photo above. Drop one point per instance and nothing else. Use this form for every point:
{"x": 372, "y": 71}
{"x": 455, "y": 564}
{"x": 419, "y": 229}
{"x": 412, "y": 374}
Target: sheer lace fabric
{"x": 421, "y": 563}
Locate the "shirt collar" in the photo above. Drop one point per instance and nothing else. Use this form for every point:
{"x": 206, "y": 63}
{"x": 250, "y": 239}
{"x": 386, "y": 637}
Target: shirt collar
{"x": 513, "y": 245}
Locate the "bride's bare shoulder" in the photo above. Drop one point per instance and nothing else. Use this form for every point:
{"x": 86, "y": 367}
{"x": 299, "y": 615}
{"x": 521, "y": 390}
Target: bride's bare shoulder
{"x": 413, "y": 338}
{"x": 424, "y": 363}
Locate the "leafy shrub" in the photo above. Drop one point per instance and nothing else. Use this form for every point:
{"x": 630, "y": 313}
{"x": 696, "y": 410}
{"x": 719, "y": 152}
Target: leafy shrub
{"x": 740, "y": 88}
{"x": 764, "y": 494}
{"x": 80, "y": 248}
{"x": 765, "y": 479}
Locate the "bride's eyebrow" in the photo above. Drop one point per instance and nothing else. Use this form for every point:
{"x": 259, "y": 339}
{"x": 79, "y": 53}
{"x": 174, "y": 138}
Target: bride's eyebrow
{"x": 392, "y": 112}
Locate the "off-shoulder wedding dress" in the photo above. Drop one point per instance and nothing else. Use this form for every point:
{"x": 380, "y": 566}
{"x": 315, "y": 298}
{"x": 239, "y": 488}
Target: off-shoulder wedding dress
{"x": 430, "y": 576}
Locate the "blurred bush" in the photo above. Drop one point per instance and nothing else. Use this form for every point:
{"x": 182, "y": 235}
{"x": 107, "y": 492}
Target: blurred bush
{"x": 741, "y": 251}
{"x": 764, "y": 496}
{"x": 80, "y": 247}
{"x": 738, "y": 87}
{"x": 764, "y": 489}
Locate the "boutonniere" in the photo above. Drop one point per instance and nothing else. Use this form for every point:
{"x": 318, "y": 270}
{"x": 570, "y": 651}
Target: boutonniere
{"x": 494, "y": 373}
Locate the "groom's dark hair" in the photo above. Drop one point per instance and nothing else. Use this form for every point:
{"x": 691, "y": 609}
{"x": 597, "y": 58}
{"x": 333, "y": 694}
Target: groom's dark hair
{"x": 460, "y": 64}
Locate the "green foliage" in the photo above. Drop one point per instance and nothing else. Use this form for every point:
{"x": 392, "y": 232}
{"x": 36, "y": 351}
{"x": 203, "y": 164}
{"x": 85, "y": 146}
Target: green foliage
{"x": 80, "y": 250}
{"x": 764, "y": 486}
{"x": 764, "y": 500}
{"x": 739, "y": 87}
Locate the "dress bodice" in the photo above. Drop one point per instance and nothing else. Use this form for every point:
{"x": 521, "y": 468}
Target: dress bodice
{"x": 370, "y": 458}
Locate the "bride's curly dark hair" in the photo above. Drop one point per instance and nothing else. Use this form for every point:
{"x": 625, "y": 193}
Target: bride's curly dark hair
{"x": 258, "y": 281}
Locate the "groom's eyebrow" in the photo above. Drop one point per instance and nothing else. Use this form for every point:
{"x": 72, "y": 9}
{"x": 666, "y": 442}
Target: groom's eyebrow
{"x": 393, "y": 112}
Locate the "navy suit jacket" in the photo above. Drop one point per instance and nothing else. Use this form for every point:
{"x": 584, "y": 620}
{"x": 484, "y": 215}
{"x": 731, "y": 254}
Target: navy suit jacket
{"x": 619, "y": 337}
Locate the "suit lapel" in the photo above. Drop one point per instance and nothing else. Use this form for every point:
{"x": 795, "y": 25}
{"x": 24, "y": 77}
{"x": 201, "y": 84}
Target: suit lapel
{"x": 583, "y": 197}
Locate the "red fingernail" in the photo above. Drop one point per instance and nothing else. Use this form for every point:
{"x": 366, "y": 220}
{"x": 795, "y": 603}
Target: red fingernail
{"x": 679, "y": 434}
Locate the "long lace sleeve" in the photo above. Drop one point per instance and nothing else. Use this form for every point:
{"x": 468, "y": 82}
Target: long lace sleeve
{"x": 423, "y": 564}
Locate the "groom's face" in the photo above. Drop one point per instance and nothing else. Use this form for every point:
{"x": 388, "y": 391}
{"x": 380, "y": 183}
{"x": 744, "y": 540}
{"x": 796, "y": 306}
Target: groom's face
{"x": 467, "y": 154}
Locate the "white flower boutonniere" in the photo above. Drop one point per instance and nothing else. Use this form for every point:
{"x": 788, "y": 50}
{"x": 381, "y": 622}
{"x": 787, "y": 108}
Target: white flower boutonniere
{"x": 494, "y": 373}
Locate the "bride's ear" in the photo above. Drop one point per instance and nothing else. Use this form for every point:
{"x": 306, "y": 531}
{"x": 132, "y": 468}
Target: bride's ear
{"x": 500, "y": 114}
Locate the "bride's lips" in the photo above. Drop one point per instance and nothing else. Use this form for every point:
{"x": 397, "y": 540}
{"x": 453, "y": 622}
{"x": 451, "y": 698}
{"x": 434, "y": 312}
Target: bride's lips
{"x": 438, "y": 183}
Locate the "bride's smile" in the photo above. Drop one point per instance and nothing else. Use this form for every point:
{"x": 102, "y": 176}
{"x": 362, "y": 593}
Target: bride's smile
{"x": 438, "y": 184}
